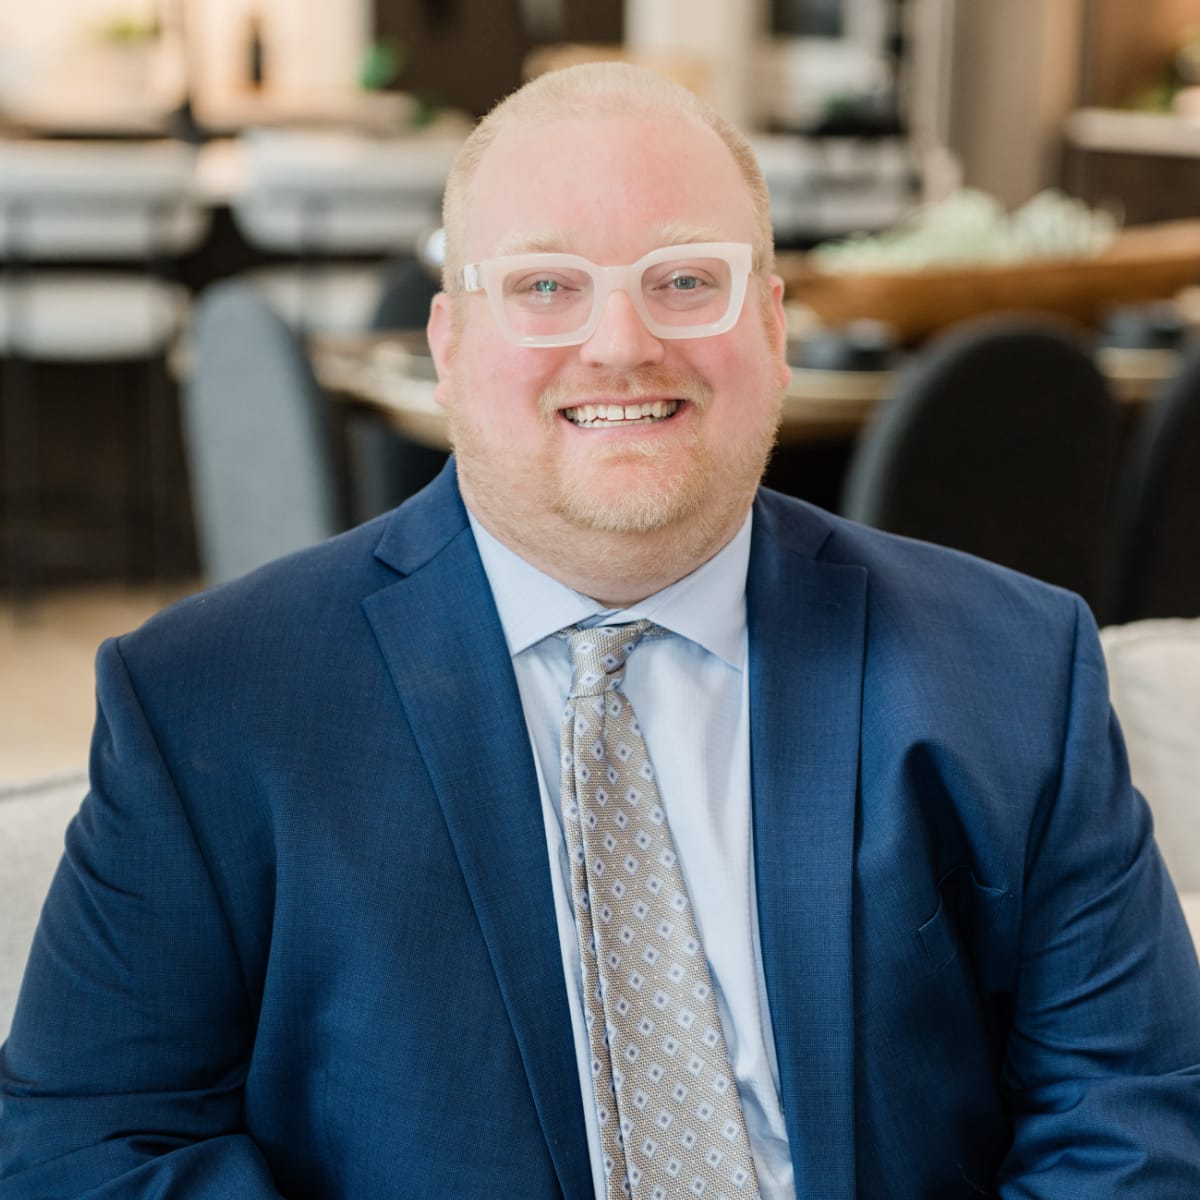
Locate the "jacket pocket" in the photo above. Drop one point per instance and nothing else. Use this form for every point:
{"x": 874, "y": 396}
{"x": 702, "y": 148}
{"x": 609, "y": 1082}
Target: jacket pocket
{"x": 960, "y": 895}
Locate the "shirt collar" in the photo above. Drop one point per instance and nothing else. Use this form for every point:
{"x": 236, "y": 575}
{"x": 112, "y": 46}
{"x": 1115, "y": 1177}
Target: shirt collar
{"x": 707, "y": 607}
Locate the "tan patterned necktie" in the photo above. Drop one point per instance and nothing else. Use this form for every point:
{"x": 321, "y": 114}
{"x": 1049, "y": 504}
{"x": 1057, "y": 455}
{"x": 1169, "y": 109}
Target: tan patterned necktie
{"x": 671, "y": 1122}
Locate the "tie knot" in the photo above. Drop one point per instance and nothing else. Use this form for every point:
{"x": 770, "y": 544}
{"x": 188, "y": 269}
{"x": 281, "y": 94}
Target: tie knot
{"x": 598, "y": 655}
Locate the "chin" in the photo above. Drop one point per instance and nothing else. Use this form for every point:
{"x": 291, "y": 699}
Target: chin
{"x": 628, "y": 514}
{"x": 635, "y": 494}
{"x": 634, "y": 501}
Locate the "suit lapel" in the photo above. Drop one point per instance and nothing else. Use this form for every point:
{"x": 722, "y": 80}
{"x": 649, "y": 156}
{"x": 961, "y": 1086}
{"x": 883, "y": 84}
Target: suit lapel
{"x": 806, "y": 624}
{"x": 444, "y": 646}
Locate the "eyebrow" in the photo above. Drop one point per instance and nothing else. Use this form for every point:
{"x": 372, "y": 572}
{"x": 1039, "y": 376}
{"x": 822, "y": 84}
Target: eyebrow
{"x": 564, "y": 241}
{"x": 673, "y": 233}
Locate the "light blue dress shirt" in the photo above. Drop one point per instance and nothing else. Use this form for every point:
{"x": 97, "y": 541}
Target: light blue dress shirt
{"x": 691, "y": 695}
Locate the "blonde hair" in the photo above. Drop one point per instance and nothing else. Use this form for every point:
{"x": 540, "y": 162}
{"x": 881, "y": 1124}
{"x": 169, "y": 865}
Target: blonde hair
{"x": 595, "y": 89}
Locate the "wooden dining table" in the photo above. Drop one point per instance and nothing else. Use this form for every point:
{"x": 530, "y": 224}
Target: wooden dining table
{"x": 391, "y": 374}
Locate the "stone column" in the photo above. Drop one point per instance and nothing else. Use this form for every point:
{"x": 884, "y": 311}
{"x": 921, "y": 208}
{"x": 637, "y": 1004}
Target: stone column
{"x": 721, "y": 37}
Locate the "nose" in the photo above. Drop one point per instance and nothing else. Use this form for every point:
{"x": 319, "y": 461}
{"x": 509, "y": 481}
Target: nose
{"x": 621, "y": 339}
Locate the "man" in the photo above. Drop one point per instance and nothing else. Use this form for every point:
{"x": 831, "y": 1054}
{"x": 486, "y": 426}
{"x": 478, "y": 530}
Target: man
{"x": 336, "y": 919}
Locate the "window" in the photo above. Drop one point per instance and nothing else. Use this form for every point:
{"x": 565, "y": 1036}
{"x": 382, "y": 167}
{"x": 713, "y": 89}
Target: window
{"x": 807, "y": 18}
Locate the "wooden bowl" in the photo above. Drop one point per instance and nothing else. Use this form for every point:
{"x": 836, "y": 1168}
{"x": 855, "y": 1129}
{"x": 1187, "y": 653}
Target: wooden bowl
{"x": 1150, "y": 262}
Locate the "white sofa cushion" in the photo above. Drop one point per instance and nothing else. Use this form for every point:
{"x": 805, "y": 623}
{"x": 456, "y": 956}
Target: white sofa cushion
{"x": 1154, "y": 681}
{"x": 32, "y": 823}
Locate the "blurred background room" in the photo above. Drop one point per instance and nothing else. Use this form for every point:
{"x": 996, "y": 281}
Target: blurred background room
{"x": 218, "y": 243}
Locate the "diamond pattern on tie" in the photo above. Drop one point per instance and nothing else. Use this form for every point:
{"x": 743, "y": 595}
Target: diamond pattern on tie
{"x": 670, "y": 1119}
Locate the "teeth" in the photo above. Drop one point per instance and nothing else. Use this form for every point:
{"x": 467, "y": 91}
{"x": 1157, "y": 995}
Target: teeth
{"x": 600, "y": 414}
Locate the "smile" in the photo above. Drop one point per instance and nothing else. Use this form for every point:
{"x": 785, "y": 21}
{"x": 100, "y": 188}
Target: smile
{"x": 593, "y": 415}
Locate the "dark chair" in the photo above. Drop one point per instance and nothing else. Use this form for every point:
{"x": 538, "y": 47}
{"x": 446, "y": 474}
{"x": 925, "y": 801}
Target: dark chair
{"x": 406, "y": 290}
{"x": 258, "y": 436}
{"x": 385, "y": 466}
{"x": 1156, "y": 561}
{"x": 999, "y": 440}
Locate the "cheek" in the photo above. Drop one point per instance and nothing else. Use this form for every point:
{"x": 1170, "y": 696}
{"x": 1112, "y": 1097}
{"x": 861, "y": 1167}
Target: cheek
{"x": 495, "y": 388}
{"x": 745, "y": 373}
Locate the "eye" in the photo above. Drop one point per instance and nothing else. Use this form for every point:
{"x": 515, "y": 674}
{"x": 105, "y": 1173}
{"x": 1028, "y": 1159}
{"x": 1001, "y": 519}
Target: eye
{"x": 542, "y": 287}
{"x": 534, "y": 285}
{"x": 685, "y": 285}
{"x": 682, "y": 279}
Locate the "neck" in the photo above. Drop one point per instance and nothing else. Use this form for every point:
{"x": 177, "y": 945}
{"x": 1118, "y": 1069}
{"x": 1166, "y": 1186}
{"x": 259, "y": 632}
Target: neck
{"x": 614, "y": 569}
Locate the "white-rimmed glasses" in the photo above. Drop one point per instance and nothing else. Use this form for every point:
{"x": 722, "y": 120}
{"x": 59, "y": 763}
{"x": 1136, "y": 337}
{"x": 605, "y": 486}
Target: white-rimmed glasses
{"x": 688, "y": 291}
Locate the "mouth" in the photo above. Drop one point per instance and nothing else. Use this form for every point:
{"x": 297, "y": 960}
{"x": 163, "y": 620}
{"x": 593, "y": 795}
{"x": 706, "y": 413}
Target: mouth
{"x": 609, "y": 416}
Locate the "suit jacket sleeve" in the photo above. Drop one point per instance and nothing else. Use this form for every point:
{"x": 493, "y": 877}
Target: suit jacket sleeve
{"x": 1102, "y": 1066}
{"x": 124, "y": 1070}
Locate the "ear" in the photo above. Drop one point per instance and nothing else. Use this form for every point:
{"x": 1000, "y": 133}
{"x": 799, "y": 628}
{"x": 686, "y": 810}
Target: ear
{"x": 441, "y": 336}
{"x": 779, "y": 320}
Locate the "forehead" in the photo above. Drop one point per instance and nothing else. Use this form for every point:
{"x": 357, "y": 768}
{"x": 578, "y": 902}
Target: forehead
{"x": 609, "y": 187}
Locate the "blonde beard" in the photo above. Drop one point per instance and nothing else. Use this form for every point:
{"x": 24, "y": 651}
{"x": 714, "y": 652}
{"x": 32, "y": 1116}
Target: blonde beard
{"x": 648, "y": 499}
{"x": 653, "y": 499}
{"x": 653, "y": 502}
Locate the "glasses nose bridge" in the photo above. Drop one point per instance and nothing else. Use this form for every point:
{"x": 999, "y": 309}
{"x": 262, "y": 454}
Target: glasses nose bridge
{"x": 627, "y": 279}
{"x": 621, "y": 335}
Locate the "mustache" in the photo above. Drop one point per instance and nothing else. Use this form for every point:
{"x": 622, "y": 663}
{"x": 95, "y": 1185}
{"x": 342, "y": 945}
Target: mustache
{"x": 642, "y": 384}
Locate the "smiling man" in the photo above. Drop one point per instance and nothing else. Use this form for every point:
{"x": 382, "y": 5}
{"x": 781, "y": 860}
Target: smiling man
{"x": 599, "y": 824}
{"x": 569, "y": 182}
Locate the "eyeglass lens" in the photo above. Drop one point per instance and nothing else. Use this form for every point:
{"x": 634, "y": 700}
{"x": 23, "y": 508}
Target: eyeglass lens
{"x": 552, "y": 302}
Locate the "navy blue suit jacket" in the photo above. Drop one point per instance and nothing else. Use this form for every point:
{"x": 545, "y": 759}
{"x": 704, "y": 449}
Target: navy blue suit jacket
{"x": 303, "y": 940}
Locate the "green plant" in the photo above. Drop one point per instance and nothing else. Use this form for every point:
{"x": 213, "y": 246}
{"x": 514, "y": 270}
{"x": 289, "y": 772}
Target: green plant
{"x": 381, "y": 64}
{"x": 128, "y": 30}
